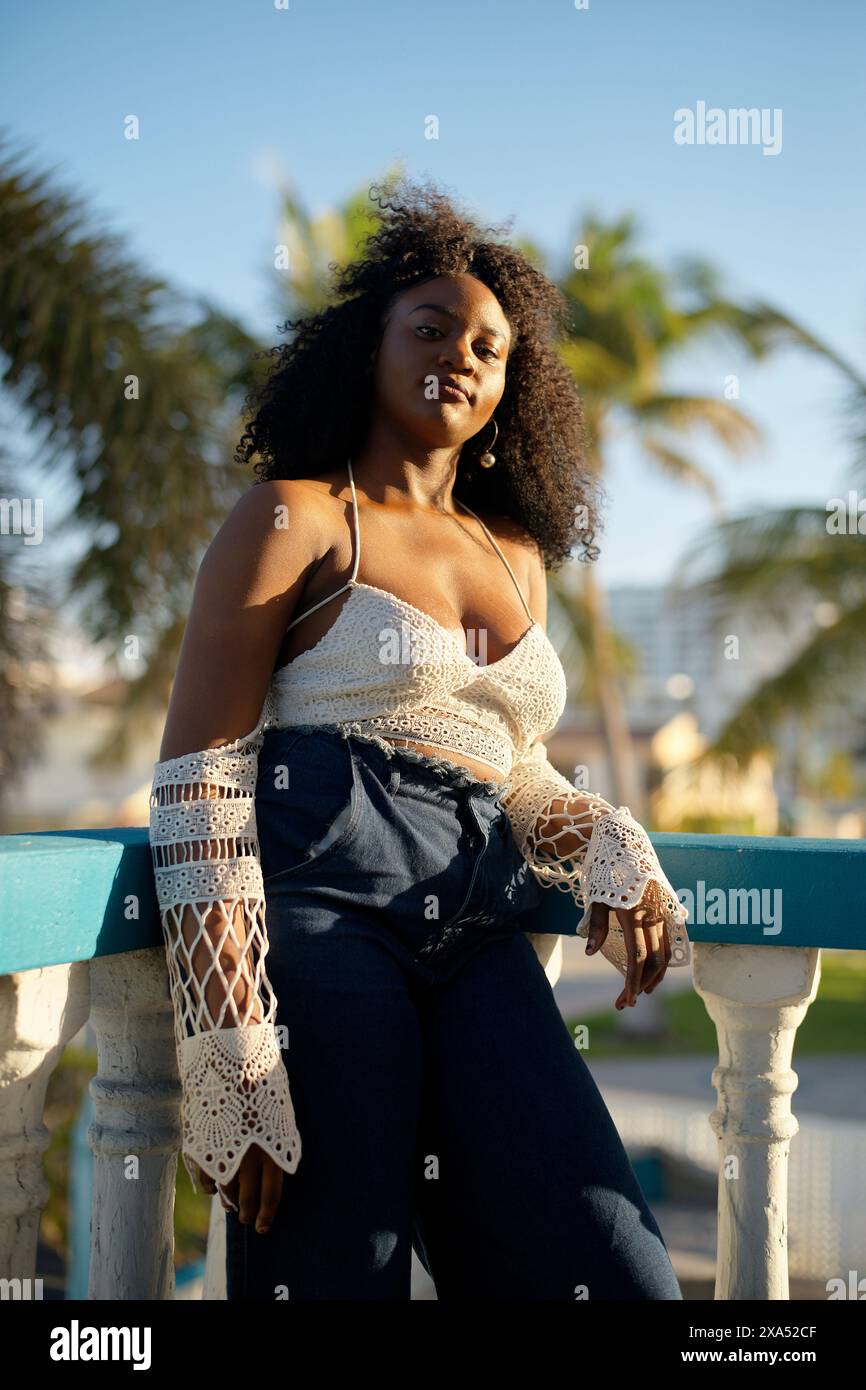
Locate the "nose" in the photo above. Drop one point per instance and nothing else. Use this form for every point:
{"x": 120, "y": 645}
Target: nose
{"x": 457, "y": 353}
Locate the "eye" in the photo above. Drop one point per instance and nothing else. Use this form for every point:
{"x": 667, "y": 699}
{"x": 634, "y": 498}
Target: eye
{"x": 432, "y": 328}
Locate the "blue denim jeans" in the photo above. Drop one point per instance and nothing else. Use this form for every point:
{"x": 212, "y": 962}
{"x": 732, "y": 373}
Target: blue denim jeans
{"x": 440, "y": 1100}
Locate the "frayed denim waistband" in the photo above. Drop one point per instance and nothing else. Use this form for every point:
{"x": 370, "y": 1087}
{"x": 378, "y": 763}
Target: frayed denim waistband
{"x": 453, "y": 773}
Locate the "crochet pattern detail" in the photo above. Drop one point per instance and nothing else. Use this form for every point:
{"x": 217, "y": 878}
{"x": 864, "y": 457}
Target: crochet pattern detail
{"x": 387, "y": 667}
{"x": 620, "y": 866}
{"x": 237, "y": 1095}
{"x": 203, "y": 836}
{"x": 235, "y": 1089}
{"x": 578, "y": 842}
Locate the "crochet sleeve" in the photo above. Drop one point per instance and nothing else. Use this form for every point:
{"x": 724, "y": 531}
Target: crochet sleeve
{"x": 578, "y": 842}
{"x": 202, "y": 833}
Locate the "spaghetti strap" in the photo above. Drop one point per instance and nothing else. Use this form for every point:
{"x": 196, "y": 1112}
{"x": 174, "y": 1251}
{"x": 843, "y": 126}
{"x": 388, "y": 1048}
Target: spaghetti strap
{"x": 492, "y": 540}
{"x": 350, "y": 583}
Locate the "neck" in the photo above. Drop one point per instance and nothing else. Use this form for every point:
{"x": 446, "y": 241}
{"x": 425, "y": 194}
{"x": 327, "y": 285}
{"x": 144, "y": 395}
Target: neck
{"x": 400, "y": 472}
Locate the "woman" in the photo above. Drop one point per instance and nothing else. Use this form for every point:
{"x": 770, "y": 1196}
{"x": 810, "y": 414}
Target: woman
{"x": 384, "y": 828}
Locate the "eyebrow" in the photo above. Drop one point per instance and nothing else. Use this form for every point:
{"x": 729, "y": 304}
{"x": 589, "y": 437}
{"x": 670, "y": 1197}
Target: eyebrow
{"x": 441, "y": 309}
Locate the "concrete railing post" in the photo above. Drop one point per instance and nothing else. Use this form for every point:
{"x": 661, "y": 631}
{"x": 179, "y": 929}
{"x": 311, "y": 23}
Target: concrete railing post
{"x": 41, "y": 1011}
{"x": 135, "y": 1135}
{"x": 757, "y": 996}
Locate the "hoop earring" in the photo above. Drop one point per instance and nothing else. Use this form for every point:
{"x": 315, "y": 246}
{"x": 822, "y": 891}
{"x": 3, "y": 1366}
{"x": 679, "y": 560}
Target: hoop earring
{"x": 488, "y": 459}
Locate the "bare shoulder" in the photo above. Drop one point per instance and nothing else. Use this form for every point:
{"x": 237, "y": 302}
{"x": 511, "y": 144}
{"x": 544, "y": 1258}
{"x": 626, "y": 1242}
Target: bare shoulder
{"x": 262, "y": 504}
{"x": 285, "y": 517}
{"x": 248, "y": 583}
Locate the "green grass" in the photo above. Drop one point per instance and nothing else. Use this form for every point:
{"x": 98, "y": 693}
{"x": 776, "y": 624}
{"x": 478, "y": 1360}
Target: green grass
{"x": 66, "y": 1088}
{"x": 834, "y": 1022}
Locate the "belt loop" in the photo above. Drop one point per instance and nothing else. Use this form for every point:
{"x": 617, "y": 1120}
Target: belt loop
{"x": 394, "y": 780}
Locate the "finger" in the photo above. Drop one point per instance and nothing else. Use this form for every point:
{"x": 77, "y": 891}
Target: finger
{"x": 205, "y": 1182}
{"x": 599, "y": 925}
{"x": 228, "y": 1194}
{"x": 636, "y": 951}
{"x": 655, "y": 902}
{"x": 271, "y": 1192}
{"x": 656, "y": 962}
{"x": 250, "y": 1174}
{"x": 628, "y": 935}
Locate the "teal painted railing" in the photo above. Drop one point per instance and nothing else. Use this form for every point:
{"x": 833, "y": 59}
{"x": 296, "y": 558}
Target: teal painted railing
{"x": 74, "y": 895}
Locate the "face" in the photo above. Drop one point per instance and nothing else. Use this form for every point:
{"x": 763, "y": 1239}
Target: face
{"x": 451, "y": 327}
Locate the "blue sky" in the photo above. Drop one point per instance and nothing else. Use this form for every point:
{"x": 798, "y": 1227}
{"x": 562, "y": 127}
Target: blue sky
{"x": 545, "y": 111}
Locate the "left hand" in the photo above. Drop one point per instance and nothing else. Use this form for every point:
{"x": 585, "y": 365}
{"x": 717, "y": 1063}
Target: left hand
{"x": 646, "y": 944}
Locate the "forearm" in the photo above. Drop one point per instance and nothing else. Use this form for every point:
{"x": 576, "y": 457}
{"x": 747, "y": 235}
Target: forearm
{"x": 579, "y": 842}
{"x": 565, "y": 827}
{"x": 206, "y": 939}
{"x": 212, "y": 908}
{"x": 551, "y": 819}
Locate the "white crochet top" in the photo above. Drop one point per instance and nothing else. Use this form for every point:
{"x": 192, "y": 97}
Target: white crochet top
{"x": 385, "y": 670}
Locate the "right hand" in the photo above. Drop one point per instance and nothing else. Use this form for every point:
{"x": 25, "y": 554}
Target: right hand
{"x": 255, "y": 1189}
{"x": 647, "y": 946}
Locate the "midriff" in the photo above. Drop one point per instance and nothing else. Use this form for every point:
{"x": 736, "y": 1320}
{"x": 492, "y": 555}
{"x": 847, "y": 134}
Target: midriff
{"x": 483, "y": 770}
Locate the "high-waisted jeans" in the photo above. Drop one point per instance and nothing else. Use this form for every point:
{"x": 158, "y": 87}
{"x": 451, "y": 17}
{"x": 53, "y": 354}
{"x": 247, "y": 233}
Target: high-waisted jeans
{"x": 439, "y": 1096}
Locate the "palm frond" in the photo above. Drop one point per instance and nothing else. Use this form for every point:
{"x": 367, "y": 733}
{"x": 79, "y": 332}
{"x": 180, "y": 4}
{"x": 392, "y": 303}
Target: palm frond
{"x": 676, "y": 465}
{"x": 785, "y": 551}
{"x": 681, "y": 412}
{"x": 823, "y": 672}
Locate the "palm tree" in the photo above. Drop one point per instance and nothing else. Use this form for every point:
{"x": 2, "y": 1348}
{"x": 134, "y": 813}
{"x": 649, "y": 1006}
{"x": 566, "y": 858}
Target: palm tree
{"x": 313, "y": 244}
{"x": 630, "y": 318}
{"x": 129, "y": 392}
{"x": 773, "y": 558}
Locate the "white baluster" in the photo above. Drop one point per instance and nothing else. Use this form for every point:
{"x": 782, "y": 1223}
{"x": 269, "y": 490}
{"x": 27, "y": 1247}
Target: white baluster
{"x": 136, "y": 1095}
{"x": 548, "y": 947}
{"x": 757, "y": 997}
{"x": 40, "y": 1012}
{"x": 215, "y": 1264}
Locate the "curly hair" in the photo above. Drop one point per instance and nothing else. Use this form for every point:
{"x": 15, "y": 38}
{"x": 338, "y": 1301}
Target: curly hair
{"x": 541, "y": 478}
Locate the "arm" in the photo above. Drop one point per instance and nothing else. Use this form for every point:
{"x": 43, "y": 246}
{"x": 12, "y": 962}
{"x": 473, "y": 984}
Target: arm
{"x": 235, "y": 1090}
{"x": 580, "y": 843}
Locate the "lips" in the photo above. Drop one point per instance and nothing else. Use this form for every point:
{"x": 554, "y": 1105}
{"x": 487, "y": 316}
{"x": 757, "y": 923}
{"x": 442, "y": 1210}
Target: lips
{"x": 452, "y": 388}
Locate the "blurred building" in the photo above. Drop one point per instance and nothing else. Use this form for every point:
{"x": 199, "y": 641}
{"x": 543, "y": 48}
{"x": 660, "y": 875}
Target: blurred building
{"x": 691, "y": 660}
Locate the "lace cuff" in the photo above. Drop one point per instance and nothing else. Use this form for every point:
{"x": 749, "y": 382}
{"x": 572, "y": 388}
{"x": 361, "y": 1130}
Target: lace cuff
{"x": 235, "y": 1089}
{"x": 551, "y": 820}
{"x": 621, "y": 869}
{"x": 578, "y": 842}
